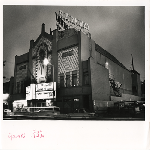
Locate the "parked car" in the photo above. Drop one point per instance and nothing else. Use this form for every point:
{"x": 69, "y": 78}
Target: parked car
{"x": 40, "y": 111}
{"x": 81, "y": 113}
{"x": 126, "y": 108}
{"x": 7, "y": 112}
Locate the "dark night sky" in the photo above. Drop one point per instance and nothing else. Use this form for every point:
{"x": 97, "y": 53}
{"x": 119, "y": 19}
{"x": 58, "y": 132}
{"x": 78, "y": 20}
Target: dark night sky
{"x": 118, "y": 29}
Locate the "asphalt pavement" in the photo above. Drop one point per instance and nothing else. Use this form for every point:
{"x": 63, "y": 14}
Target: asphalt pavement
{"x": 137, "y": 117}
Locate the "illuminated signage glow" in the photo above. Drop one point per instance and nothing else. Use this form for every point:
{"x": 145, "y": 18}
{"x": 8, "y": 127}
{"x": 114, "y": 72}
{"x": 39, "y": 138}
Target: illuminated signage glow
{"x": 64, "y": 20}
{"x": 30, "y": 92}
{"x": 41, "y": 91}
{"x": 44, "y": 95}
{"x": 45, "y": 86}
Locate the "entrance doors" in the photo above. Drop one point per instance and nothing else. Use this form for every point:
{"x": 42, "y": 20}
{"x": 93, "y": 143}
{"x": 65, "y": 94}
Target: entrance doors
{"x": 86, "y": 102}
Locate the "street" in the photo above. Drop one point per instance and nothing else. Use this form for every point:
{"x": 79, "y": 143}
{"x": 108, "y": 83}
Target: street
{"x": 137, "y": 117}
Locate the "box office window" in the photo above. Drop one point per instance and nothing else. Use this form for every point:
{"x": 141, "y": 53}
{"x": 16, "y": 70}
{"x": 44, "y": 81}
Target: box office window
{"x": 74, "y": 78}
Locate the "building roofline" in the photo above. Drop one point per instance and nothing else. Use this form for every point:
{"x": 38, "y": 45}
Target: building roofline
{"x": 108, "y": 55}
{"x": 25, "y": 58}
{"x": 134, "y": 71}
{"x": 46, "y": 35}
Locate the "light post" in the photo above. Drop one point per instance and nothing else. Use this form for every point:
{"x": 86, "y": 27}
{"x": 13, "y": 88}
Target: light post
{"x": 46, "y": 62}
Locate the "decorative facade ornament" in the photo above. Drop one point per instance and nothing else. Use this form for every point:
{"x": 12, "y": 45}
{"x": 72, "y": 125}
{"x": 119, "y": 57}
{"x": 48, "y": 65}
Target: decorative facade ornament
{"x": 42, "y": 50}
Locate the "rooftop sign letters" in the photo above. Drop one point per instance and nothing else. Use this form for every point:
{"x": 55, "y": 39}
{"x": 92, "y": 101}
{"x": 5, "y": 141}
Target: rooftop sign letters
{"x": 64, "y": 20}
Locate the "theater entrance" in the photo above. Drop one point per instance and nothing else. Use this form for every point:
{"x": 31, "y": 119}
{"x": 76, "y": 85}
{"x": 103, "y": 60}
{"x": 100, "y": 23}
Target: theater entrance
{"x": 86, "y": 102}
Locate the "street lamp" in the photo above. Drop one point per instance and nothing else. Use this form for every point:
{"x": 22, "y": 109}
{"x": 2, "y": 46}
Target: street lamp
{"x": 46, "y": 63}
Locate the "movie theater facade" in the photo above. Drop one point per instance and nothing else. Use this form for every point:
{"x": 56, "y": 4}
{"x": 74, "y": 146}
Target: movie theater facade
{"x": 84, "y": 74}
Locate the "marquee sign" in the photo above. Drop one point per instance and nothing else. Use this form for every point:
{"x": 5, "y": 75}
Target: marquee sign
{"x": 45, "y": 95}
{"x": 45, "y": 87}
{"x": 65, "y": 21}
{"x": 30, "y": 92}
{"x": 45, "y": 90}
{"x": 41, "y": 91}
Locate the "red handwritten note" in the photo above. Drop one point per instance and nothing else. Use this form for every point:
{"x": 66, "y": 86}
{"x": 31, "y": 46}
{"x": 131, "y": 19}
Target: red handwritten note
{"x": 37, "y": 134}
{"x": 34, "y": 134}
{"x": 13, "y": 136}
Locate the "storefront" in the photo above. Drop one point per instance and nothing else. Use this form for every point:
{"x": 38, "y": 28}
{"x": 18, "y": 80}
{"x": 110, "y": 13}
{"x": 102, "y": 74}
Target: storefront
{"x": 68, "y": 104}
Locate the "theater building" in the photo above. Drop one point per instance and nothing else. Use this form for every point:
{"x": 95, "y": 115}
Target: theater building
{"x": 86, "y": 75}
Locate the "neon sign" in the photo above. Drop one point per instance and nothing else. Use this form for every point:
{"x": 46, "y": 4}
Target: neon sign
{"x": 65, "y": 21}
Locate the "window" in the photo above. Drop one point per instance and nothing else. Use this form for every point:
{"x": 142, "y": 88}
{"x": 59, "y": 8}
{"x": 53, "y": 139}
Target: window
{"x": 38, "y": 104}
{"x": 18, "y": 87}
{"x": 98, "y": 57}
{"x": 67, "y": 80}
{"x": 12, "y": 88}
{"x": 22, "y": 67}
{"x": 85, "y": 78}
{"x": 74, "y": 78}
{"x": 106, "y": 65}
{"x": 62, "y": 81}
{"x": 134, "y": 90}
{"x": 43, "y": 104}
{"x": 22, "y": 87}
{"x": 49, "y": 78}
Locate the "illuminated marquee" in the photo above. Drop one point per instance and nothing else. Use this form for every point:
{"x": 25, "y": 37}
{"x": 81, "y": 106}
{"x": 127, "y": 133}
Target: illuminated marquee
{"x": 41, "y": 91}
{"x": 64, "y": 20}
{"x": 45, "y": 87}
{"x": 45, "y": 90}
{"x": 45, "y": 95}
{"x": 30, "y": 92}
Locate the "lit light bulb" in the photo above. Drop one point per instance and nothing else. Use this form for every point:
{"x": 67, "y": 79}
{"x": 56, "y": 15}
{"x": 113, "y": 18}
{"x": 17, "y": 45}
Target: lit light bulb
{"x": 45, "y": 62}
